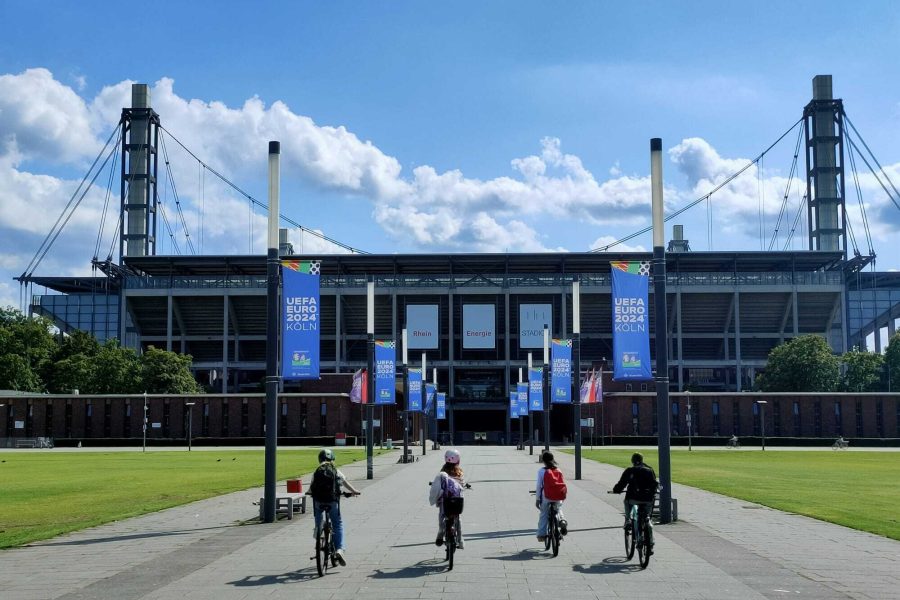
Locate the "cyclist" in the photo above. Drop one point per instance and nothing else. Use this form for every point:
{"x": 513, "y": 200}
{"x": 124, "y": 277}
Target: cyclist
{"x": 326, "y": 490}
{"x": 640, "y": 481}
{"x": 550, "y": 489}
{"x": 449, "y": 482}
{"x": 733, "y": 442}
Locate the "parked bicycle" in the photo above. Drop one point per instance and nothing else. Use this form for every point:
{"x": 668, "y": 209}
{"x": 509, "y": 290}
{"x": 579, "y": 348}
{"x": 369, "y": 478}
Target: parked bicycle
{"x": 325, "y": 551}
{"x": 554, "y": 533}
{"x": 638, "y": 535}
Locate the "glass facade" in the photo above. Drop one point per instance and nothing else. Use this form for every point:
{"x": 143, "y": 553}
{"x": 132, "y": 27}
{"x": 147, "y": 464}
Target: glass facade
{"x": 96, "y": 313}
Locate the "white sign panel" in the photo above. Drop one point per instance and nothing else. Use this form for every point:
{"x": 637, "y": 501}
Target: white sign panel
{"x": 422, "y": 326}
{"x": 532, "y": 318}
{"x": 479, "y": 326}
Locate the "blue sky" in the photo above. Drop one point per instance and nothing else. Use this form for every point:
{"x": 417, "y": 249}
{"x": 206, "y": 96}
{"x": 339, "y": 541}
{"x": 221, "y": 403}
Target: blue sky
{"x": 435, "y": 127}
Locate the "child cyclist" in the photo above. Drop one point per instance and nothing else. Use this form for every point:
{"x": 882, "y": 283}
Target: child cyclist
{"x": 325, "y": 490}
{"x": 448, "y": 483}
{"x": 550, "y": 489}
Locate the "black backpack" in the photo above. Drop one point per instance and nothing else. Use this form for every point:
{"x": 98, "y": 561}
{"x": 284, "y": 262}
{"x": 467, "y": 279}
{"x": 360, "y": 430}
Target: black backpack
{"x": 325, "y": 486}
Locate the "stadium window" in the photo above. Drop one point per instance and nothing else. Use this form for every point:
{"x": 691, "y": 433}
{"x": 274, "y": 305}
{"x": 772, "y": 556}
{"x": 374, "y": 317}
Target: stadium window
{"x": 48, "y": 419}
{"x": 127, "y": 425}
{"x": 167, "y": 416}
{"x": 204, "y": 427}
{"x": 107, "y": 418}
{"x": 676, "y": 409}
{"x": 88, "y": 413}
{"x": 29, "y": 420}
{"x": 859, "y": 419}
{"x": 225, "y": 417}
{"x": 736, "y": 417}
{"x": 817, "y": 418}
{"x": 715, "y": 417}
{"x": 755, "y": 418}
{"x": 879, "y": 418}
{"x": 635, "y": 417}
{"x": 776, "y": 417}
{"x": 322, "y": 420}
{"x": 245, "y": 417}
{"x": 282, "y": 426}
{"x": 68, "y": 422}
{"x": 796, "y": 415}
{"x": 655, "y": 417}
{"x": 628, "y": 387}
{"x": 303, "y": 416}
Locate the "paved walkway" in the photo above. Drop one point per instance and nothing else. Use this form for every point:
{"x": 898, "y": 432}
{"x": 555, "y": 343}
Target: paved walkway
{"x": 721, "y": 548}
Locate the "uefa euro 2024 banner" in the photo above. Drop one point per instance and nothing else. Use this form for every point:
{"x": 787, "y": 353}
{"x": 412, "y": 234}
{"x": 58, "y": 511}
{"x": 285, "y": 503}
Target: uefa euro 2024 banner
{"x": 429, "y": 396}
{"x": 630, "y": 320}
{"x": 535, "y": 389}
{"x": 522, "y": 391}
{"x": 441, "y": 406}
{"x": 300, "y": 319}
{"x": 513, "y": 404}
{"x": 385, "y": 356}
{"x": 414, "y": 402}
{"x": 561, "y": 371}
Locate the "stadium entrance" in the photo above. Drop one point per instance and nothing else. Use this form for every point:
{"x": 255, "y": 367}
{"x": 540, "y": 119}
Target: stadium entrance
{"x": 479, "y": 423}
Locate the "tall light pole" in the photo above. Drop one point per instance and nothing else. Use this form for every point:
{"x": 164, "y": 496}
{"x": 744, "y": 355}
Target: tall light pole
{"x": 530, "y": 413}
{"x": 434, "y": 443}
{"x": 690, "y": 419}
{"x": 576, "y": 356}
{"x": 662, "y": 343}
{"x": 423, "y": 420}
{"x": 405, "y": 374}
{"x": 272, "y": 325}
{"x": 370, "y": 401}
{"x": 762, "y": 421}
{"x": 545, "y": 376}
{"x": 521, "y": 445}
{"x": 190, "y": 406}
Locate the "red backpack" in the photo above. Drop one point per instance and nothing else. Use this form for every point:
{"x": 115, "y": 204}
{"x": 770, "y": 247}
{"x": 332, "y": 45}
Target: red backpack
{"x": 555, "y": 489}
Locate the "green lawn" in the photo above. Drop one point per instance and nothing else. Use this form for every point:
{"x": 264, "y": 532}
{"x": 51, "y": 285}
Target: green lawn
{"x": 45, "y": 494}
{"x": 855, "y": 489}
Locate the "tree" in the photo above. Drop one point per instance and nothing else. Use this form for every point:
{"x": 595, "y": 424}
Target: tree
{"x": 803, "y": 364}
{"x": 117, "y": 370}
{"x": 73, "y": 373}
{"x": 892, "y": 361}
{"x": 168, "y": 373}
{"x": 864, "y": 371}
{"x": 29, "y": 339}
{"x": 77, "y": 342}
{"x": 17, "y": 374}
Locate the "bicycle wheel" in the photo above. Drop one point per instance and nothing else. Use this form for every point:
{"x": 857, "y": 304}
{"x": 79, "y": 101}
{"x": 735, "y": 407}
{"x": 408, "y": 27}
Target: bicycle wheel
{"x": 451, "y": 542}
{"x": 629, "y": 539}
{"x": 322, "y": 552}
{"x": 644, "y": 545}
{"x": 553, "y": 535}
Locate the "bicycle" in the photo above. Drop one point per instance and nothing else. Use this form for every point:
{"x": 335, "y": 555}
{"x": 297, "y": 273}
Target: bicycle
{"x": 840, "y": 444}
{"x": 326, "y": 553}
{"x": 453, "y": 507}
{"x": 637, "y": 532}
{"x": 733, "y": 444}
{"x": 554, "y": 534}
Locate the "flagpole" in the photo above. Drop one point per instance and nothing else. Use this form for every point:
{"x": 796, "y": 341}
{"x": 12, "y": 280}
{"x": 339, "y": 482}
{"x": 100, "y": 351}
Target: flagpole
{"x": 272, "y": 326}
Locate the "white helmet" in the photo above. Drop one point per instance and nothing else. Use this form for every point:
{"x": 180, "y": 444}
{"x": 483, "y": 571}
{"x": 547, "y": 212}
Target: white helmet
{"x": 452, "y": 456}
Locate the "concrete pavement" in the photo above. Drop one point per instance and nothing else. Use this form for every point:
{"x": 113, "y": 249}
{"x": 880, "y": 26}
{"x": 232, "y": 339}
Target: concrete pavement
{"x": 720, "y": 548}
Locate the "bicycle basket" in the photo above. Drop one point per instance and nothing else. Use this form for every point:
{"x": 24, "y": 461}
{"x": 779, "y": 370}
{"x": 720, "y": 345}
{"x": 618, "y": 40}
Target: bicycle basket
{"x": 453, "y": 506}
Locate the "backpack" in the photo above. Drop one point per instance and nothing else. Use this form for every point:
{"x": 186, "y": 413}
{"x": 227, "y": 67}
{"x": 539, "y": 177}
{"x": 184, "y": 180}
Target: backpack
{"x": 555, "y": 488}
{"x": 325, "y": 486}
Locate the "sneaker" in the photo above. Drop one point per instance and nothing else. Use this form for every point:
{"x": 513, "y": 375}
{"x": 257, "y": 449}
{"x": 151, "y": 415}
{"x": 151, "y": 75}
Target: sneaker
{"x": 461, "y": 545}
{"x": 542, "y": 538}
{"x": 650, "y": 550}
{"x": 564, "y": 527}
{"x": 439, "y": 541}
{"x": 339, "y": 555}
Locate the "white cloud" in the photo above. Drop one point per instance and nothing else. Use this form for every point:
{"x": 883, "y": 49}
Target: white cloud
{"x": 605, "y": 240}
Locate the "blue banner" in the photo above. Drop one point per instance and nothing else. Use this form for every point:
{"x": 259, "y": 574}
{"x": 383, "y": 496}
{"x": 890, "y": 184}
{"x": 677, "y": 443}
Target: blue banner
{"x": 300, "y": 320}
{"x": 535, "y": 389}
{"x": 441, "y": 406}
{"x": 513, "y": 404}
{"x": 522, "y": 391}
{"x": 561, "y": 371}
{"x": 429, "y": 396}
{"x": 631, "y": 321}
{"x": 385, "y": 373}
{"x": 414, "y": 402}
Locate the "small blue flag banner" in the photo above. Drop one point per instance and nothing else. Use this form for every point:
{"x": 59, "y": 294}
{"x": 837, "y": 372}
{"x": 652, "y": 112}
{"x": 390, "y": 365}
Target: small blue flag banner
{"x": 522, "y": 391}
{"x": 535, "y": 389}
{"x": 513, "y": 404}
{"x": 561, "y": 371}
{"x": 385, "y": 373}
{"x": 429, "y": 396}
{"x": 441, "y": 405}
{"x": 414, "y": 402}
{"x": 630, "y": 321}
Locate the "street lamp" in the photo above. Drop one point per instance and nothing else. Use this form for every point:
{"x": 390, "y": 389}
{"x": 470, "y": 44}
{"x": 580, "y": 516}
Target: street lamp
{"x": 762, "y": 421}
{"x": 190, "y": 406}
{"x": 689, "y": 419}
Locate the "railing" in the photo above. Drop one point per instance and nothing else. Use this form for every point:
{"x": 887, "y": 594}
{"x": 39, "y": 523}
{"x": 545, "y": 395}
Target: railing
{"x": 518, "y": 280}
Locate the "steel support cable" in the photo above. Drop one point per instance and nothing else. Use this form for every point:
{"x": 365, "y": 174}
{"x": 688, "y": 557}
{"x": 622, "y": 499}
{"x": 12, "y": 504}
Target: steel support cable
{"x": 162, "y": 211}
{"x": 694, "y": 203}
{"x": 262, "y": 204}
{"x": 787, "y": 190}
{"x": 109, "y": 182}
{"x": 859, "y": 199}
{"x": 800, "y": 207}
{"x": 184, "y": 228}
{"x": 874, "y": 173}
{"x": 32, "y": 264}
{"x": 880, "y": 168}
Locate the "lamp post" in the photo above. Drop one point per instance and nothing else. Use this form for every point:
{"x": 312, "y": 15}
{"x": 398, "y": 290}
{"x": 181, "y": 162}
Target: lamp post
{"x": 690, "y": 419}
{"x": 370, "y": 401}
{"x": 576, "y": 356}
{"x": 521, "y": 445}
{"x": 405, "y": 374}
{"x": 190, "y": 406}
{"x": 530, "y": 413}
{"x": 423, "y": 419}
{"x": 545, "y": 376}
{"x": 272, "y": 326}
{"x": 762, "y": 421}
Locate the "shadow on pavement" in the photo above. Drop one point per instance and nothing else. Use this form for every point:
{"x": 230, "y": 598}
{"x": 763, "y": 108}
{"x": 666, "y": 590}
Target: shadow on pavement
{"x": 526, "y": 554}
{"x": 420, "y": 569}
{"x": 292, "y": 577}
{"x": 132, "y": 536}
{"x": 613, "y": 564}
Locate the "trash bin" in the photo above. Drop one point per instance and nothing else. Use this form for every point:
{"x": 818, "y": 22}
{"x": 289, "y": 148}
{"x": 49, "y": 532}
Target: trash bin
{"x": 389, "y": 444}
{"x": 294, "y": 486}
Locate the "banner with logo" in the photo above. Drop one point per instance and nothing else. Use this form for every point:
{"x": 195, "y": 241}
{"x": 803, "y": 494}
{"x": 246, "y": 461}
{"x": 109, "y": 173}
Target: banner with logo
{"x": 522, "y": 391}
{"x": 414, "y": 402}
{"x": 422, "y": 326}
{"x": 479, "y": 326}
{"x": 532, "y": 318}
{"x": 300, "y": 319}
{"x": 385, "y": 372}
{"x": 429, "y": 396}
{"x": 561, "y": 371}
{"x": 359, "y": 392}
{"x": 441, "y": 405}
{"x": 535, "y": 389}
{"x": 513, "y": 404}
{"x": 631, "y": 321}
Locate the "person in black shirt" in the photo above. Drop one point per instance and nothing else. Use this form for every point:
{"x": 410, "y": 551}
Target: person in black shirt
{"x": 640, "y": 485}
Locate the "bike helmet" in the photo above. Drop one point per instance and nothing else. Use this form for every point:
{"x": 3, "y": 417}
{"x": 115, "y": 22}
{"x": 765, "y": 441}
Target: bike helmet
{"x": 451, "y": 456}
{"x": 326, "y": 454}
{"x": 637, "y": 458}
